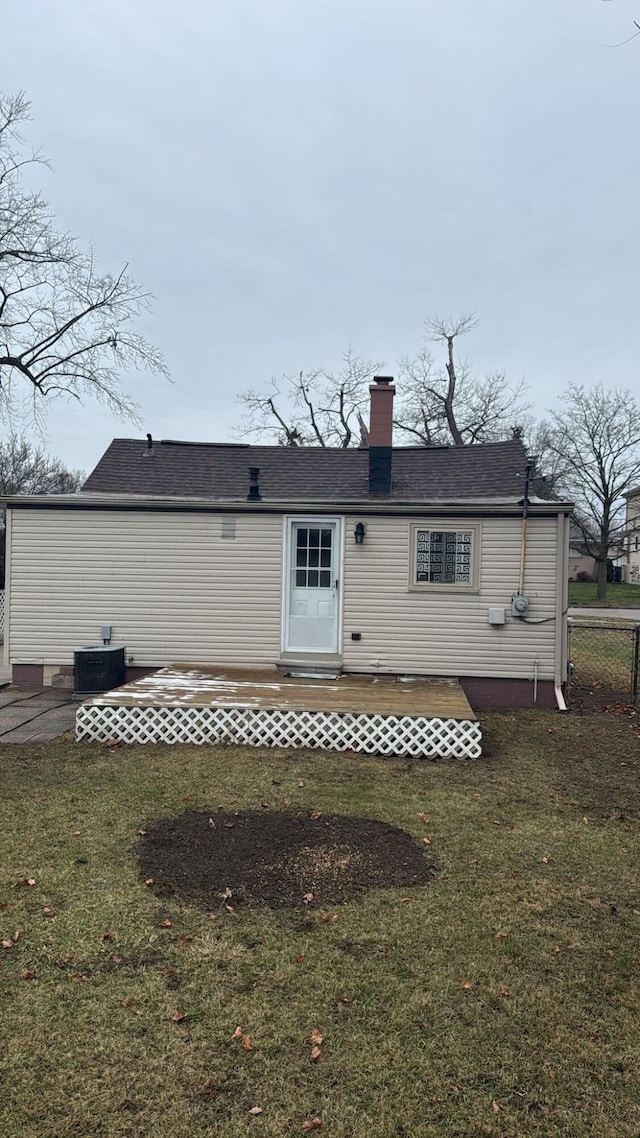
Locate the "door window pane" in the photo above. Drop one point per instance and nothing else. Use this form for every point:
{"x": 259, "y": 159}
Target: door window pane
{"x": 312, "y": 560}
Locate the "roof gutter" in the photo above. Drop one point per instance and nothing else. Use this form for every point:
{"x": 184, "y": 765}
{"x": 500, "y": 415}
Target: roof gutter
{"x": 441, "y": 506}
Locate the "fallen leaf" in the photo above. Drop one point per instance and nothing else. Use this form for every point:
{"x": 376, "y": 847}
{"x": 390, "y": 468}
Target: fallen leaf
{"x": 405, "y": 900}
{"x": 149, "y": 882}
{"x": 496, "y": 1107}
{"x": 308, "y": 898}
{"x": 179, "y": 1017}
{"x": 229, "y": 825}
{"x": 126, "y": 1003}
{"x": 466, "y": 984}
{"x": 256, "y": 1110}
{"x": 312, "y": 1124}
{"x": 427, "y": 841}
{"x": 142, "y": 833}
{"x": 316, "y": 1054}
{"x": 28, "y": 976}
{"x": 230, "y": 908}
{"x": 423, "y": 818}
{"x": 265, "y": 805}
{"x": 316, "y": 815}
{"x": 287, "y": 802}
{"x": 48, "y": 911}
{"x": 166, "y": 924}
{"x": 237, "y": 1033}
{"x": 545, "y": 861}
{"x": 211, "y": 824}
{"x": 246, "y": 1043}
{"x": 301, "y": 783}
{"x": 586, "y": 821}
{"x": 496, "y": 822}
{"x": 500, "y": 936}
{"x": 316, "y": 1037}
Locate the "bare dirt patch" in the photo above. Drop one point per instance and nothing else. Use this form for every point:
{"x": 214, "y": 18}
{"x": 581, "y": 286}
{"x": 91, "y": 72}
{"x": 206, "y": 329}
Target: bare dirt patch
{"x": 281, "y": 860}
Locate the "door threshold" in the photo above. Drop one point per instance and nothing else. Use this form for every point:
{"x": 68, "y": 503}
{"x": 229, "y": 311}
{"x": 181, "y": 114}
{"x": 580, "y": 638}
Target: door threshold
{"x": 325, "y": 667}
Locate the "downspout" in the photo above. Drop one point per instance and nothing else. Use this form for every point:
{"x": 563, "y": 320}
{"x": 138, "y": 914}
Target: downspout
{"x": 523, "y": 538}
{"x": 562, "y": 593}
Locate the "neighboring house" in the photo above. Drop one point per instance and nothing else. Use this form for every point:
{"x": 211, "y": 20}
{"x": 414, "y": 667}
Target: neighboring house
{"x": 632, "y": 529}
{"x": 580, "y": 562}
{"x": 375, "y": 560}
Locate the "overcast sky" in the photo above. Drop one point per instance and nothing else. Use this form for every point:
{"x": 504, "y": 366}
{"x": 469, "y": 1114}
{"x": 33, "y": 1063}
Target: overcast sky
{"x": 291, "y": 177}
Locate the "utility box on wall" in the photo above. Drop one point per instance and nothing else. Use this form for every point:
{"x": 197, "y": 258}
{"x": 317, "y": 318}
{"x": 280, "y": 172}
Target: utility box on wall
{"x": 98, "y": 669}
{"x": 497, "y": 616}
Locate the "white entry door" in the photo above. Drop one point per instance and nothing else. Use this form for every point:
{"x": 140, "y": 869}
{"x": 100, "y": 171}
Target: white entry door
{"x": 312, "y": 585}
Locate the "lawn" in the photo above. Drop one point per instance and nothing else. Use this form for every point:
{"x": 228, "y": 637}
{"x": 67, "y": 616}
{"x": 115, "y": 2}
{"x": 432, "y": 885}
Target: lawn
{"x": 583, "y": 594}
{"x": 498, "y": 996}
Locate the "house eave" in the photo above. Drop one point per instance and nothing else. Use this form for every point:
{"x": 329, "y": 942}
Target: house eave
{"x": 442, "y": 506}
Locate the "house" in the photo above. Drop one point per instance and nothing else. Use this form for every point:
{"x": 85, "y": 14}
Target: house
{"x": 580, "y": 560}
{"x": 632, "y": 534}
{"x": 428, "y": 561}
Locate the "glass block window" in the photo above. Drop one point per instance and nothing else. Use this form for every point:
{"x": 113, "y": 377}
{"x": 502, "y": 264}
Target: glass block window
{"x": 313, "y": 558}
{"x": 444, "y": 557}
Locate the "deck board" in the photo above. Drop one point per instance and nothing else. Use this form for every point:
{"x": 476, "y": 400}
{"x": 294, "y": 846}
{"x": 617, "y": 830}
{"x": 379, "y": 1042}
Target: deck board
{"x": 184, "y": 685}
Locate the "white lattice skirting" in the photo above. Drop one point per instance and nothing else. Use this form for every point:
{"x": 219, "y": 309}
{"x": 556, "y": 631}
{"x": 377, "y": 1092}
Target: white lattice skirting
{"x": 330, "y": 731}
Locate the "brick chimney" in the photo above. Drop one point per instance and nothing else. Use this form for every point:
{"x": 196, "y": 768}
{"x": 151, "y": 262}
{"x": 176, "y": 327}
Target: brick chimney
{"x": 381, "y": 434}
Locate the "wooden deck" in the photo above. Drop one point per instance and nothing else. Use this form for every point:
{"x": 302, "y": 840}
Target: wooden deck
{"x": 376, "y": 714}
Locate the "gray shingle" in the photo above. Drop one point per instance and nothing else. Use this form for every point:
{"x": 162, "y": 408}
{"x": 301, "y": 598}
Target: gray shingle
{"x": 297, "y": 474}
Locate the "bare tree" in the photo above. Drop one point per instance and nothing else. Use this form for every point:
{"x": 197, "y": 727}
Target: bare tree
{"x": 25, "y": 469}
{"x": 448, "y": 403}
{"x": 595, "y": 442}
{"x": 315, "y": 408}
{"x": 64, "y": 326}
{"x": 436, "y": 405}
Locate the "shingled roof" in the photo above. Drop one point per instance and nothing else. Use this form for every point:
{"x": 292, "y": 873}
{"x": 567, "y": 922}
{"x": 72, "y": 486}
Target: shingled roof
{"x": 303, "y": 474}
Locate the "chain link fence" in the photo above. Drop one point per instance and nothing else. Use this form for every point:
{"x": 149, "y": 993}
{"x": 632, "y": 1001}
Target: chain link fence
{"x": 603, "y": 662}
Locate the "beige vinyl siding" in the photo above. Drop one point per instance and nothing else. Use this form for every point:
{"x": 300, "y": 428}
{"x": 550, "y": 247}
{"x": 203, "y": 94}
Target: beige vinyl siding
{"x": 171, "y": 586}
{"x": 447, "y": 632}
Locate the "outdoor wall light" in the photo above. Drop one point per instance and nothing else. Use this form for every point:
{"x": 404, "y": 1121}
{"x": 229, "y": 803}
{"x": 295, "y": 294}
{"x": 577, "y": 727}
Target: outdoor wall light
{"x": 359, "y": 533}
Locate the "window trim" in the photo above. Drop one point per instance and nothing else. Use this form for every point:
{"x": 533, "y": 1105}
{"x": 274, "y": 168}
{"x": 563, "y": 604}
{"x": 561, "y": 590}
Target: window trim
{"x": 452, "y": 524}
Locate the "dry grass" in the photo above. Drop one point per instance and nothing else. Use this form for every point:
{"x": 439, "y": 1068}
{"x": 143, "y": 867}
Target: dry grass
{"x": 501, "y": 999}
